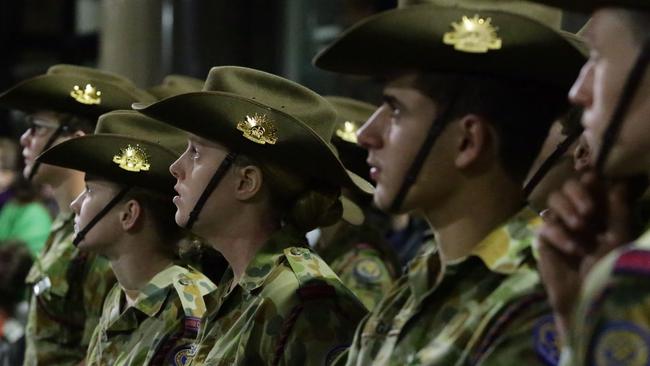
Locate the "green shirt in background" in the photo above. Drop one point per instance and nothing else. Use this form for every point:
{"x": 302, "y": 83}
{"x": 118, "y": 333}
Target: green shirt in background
{"x": 27, "y": 222}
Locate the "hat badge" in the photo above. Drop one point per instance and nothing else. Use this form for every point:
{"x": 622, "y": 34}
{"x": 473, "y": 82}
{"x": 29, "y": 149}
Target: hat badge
{"x": 132, "y": 158}
{"x": 348, "y": 132}
{"x": 88, "y": 95}
{"x": 258, "y": 129}
{"x": 473, "y": 35}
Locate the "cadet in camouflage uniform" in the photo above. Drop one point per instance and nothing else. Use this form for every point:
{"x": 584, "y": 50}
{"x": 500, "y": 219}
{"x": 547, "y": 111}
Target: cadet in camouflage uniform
{"x": 259, "y": 172}
{"x": 354, "y": 247}
{"x": 152, "y": 315}
{"x": 462, "y": 121}
{"x": 602, "y": 309}
{"x": 68, "y": 285}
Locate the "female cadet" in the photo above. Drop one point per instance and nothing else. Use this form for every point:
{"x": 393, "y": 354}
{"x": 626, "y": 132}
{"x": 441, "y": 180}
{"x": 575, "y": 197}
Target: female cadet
{"x": 258, "y": 173}
{"x": 125, "y": 214}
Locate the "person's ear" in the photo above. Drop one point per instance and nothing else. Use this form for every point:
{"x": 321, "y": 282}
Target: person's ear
{"x": 130, "y": 214}
{"x": 474, "y": 137}
{"x": 249, "y": 182}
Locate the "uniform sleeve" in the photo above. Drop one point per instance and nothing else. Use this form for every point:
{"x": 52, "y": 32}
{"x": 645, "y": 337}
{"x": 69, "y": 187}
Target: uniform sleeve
{"x": 366, "y": 275}
{"x": 98, "y": 282}
{"x": 323, "y": 329}
{"x": 524, "y": 331}
{"x": 613, "y": 325}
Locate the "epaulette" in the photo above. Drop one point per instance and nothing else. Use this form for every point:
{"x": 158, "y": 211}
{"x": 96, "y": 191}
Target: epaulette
{"x": 633, "y": 261}
{"x": 191, "y": 286}
{"x": 309, "y": 270}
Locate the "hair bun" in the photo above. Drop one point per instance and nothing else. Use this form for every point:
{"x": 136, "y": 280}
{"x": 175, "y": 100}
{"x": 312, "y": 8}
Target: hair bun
{"x": 315, "y": 208}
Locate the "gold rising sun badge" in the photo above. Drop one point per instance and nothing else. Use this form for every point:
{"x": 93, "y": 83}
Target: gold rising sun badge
{"x": 133, "y": 159}
{"x": 88, "y": 95}
{"x": 258, "y": 129}
{"x": 348, "y": 132}
{"x": 473, "y": 35}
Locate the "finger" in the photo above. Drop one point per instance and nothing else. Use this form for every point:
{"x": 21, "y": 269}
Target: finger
{"x": 564, "y": 210}
{"x": 557, "y": 237}
{"x": 579, "y": 196}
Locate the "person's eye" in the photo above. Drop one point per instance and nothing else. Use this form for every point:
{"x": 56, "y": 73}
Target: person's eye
{"x": 194, "y": 152}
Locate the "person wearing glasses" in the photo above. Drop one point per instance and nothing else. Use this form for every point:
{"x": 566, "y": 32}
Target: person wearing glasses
{"x": 67, "y": 285}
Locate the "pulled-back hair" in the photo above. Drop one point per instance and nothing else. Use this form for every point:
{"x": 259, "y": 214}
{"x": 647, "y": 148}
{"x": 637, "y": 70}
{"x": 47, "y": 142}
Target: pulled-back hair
{"x": 297, "y": 201}
{"x": 521, "y": 112}
{"x": 159, "y": 208}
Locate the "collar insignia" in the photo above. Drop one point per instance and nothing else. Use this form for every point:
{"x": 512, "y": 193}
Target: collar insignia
{"x": 473, "y": 35}
{"x": 133, "y": 159}
{"x": 348, "y": 132}
{"x": 258, "y": 129}
{"x": 88, "y": 95}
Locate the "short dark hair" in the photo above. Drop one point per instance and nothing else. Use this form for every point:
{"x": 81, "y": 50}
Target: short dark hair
{"x": 161, "y": 211}
{"x": 520, "y": 111}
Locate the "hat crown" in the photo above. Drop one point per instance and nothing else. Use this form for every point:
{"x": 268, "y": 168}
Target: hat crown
{"x": 276, "y": 92}
{"x": 137, "y": 125}
{"x": 546, "y": 15}
{"x": 90, "y": 73}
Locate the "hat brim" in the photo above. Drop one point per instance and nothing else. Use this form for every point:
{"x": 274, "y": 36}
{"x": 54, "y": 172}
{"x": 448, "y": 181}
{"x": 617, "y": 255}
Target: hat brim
{"x": 93, "y": 154}
{"x": 215, "y": 116}
{"x": 52, "y": 92}
{"x": 411, "y": 39}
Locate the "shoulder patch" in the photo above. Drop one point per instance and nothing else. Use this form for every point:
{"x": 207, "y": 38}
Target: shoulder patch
{"x": 182, "y": 355}
{"x": 634, "y": 261}
{"x": 368, "y": 270}
{"x": 546, "y": 340}
{"x": 621, "y": 343}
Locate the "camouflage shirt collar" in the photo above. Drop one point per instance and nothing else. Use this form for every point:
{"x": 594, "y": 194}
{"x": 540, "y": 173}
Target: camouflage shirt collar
{"x": 505, "y": 248}
{"x": 269, "y": 257}
{"x": 154, "y": 294}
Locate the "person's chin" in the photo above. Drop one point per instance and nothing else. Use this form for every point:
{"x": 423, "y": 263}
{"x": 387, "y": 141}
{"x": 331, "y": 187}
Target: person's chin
{"x": 180, "y": 217}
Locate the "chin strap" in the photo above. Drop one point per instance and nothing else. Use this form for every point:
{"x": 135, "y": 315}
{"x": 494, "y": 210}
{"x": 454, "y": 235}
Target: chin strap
{"x": 436, "y": 129}
{"x": 212, "y": 184}
{"x": 82, "y": 234}
{"x": 627, "y": 95}
{"x": 550, "y": 161}
{"x": 59, "y": 130}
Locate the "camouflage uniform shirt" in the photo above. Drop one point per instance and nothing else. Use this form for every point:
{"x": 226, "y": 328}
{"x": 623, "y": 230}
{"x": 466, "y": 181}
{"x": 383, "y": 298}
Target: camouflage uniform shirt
{"x": 68, "y": 290}
{"x": 355, "y": 254}
{"x": 612, "y": 322}
{"x": 159, "y": 328}
{"x": 487, "y": 308}
{"x": 289, "y": 308}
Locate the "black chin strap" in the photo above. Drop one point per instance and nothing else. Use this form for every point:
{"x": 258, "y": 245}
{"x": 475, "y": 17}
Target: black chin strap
{"x": 439, "y": 124}
{"x": 212, "y": 184}
{"x": 629, "y": 91}
{"x": 550, "y": 161}
{"x": 81, "y": 234}
{"x": 59, "y": 130}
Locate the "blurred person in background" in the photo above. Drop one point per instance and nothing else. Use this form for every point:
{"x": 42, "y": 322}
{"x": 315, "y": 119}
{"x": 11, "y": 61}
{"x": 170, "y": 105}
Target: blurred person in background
{"x": 15, "y": 261}
{"x": 22, "y": 216}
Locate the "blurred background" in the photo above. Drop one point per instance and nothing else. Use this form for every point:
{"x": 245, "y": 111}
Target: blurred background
{"x": 148, "y": 39}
